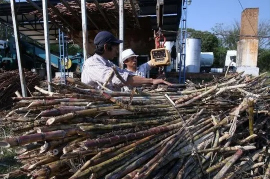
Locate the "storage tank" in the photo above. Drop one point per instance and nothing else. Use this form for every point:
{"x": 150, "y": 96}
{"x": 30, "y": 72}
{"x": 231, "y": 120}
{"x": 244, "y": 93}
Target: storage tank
{"x": 193, "y": 55}
{"x": 207, "y": 59}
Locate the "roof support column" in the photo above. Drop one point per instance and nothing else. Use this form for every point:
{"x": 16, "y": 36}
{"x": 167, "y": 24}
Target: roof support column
{"x": 47, "y": 44}
{"x": 84, "y": 30}
{"x": 17, "y": 37}
{"x": 121, "y": 31}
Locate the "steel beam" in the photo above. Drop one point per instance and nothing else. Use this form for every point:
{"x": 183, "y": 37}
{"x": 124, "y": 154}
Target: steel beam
{"x": 121, "y": 31}
{"x": 84, "y": 30}
{"x": 47, "y": 44}
{"x": 17, "y": 37}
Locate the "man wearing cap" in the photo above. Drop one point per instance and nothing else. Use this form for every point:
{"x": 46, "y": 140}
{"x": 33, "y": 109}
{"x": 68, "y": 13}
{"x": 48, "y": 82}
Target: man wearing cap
{"x": 97, "y": 68}
{"x": 129, "y": 58}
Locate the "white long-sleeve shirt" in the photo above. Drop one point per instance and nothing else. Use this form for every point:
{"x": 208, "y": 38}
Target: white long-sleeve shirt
{"x": 98, "y": 69}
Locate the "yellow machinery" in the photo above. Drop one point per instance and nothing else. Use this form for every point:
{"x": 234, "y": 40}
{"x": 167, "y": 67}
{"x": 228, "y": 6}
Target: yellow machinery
{"x": 160, "y": 57}
{"x": 67, "y": 63}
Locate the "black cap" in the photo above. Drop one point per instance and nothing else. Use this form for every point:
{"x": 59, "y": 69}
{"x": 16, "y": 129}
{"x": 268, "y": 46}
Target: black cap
{"x": 104, "y": 37}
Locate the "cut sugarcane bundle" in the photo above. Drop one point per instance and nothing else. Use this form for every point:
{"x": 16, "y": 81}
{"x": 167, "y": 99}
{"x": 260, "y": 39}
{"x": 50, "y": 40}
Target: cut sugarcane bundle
{"x": 203, "y": 132}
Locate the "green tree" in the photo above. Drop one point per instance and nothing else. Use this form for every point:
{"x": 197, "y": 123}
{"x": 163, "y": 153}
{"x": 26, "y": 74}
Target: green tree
{"x": 263, "y": 60}
{"x": 209, "y": 40}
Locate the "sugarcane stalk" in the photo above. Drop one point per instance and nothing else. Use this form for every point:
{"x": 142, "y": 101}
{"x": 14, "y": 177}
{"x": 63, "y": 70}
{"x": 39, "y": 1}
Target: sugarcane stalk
{"x": 251, "y": 116}
{"x": 62, "y": 110}
{"x": 162, "y": 173}
{"x": 259, "y": 160}
{"x": 207, "y": 88}
{"x": 186, "y": 164}
{"x": 22, "y": 149}
{"x": 54, "y": 128}
{"x": 249, "y": 138}
{"x": 52, "y": 144}
{"x": 218, "y": 165}
{"x": 248, "y": 93}
{"x": 81, "y": 113}
{"x": 120, "y": 125}
{"x": 78, "y": 154}
{"x": 246, "y": 164}
{"x": 43, "y": 162}
{"x": 28, "y": 155}
{"x": 74, "y": 81}
{"x": 187, "y": 97}
{"x": 22, "y": 140}
{"x": 96, "y": 168}
{"x": 51, "y": 169}
{"x": 131, "y": 175}
{"x": 229, "y": 164}
{"x": 227, "y": 149}
{"x": 13, "y": 174}
{"x": 267, "y": 172}
{"x": 69, "y": 147}
{"x": 139, "y": 159}
{"x": 197, "y": 97}
{"x": 44, "y": 91}
{"x": 43, "y": 102}
{"x": 169, "y": 157}
{"x": 132, "y": 146}
{"x": 131, "y": 136}
{"x": 174, "y": 171}
{"x": 148, "y": 168}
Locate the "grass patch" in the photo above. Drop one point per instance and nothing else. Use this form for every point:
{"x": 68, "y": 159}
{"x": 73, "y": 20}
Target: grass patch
{"x": 8, "y": 163}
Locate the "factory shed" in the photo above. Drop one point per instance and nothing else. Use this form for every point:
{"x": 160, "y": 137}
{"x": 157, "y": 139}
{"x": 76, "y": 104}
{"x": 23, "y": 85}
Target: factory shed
{"x": 139, "y": 20}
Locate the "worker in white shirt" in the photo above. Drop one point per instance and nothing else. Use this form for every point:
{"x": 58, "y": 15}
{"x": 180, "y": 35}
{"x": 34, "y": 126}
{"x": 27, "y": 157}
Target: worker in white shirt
{"x": 97, "y": 68}
{"x": 129, "y": 58}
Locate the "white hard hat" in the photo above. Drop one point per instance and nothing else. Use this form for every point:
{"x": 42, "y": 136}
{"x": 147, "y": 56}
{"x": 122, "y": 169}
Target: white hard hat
{"x": 127, "y": 54}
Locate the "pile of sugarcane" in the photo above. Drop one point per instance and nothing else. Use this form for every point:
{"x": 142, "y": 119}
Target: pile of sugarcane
{"x": 216, "y": 130}
{"x": 10, "y": 83}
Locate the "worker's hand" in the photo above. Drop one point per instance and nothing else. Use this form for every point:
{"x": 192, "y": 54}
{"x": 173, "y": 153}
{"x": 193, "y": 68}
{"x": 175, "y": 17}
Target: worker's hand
{"x": 159, "y": 81}
{"x": 151, "y": 64}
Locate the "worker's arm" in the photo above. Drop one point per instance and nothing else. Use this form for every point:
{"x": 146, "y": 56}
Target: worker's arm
{"x": 151, "y": 64}
{"x": 138, "y": 81}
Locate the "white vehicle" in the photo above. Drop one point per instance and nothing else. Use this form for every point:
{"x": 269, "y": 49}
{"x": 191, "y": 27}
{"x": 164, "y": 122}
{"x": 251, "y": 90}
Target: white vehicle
{"x": 230, "y": 60}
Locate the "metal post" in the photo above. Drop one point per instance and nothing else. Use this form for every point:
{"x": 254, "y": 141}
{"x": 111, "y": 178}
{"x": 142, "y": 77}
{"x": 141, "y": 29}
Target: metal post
{"x": 47, "y": 44}
{"x": 84, "y": 29}
{"x": 121, "y": 30}
{"x": 17, "y": 37}
{"x": 63, "y": 56}
{"x": 183, "y": 36}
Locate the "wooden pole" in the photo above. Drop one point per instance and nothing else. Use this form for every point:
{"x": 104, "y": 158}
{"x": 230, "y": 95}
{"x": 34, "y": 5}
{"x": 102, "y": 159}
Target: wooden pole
{"x": 17, "y": 37}
{"x": 121, "y": 30}
{"x": 84, "y": 30}
{"x": 47, "y": 44}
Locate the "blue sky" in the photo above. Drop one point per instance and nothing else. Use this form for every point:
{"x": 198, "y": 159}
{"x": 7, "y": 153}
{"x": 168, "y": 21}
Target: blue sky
{"x": 204, "y": 14}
